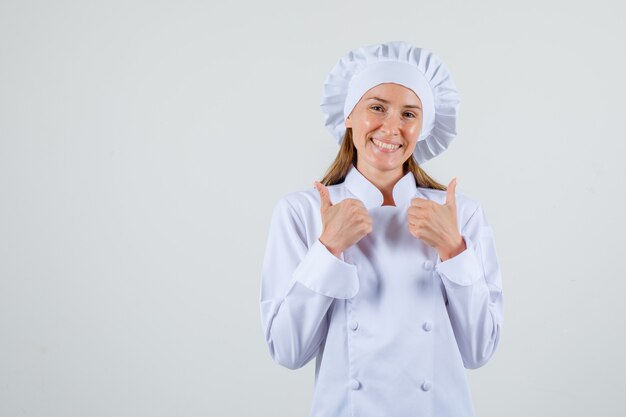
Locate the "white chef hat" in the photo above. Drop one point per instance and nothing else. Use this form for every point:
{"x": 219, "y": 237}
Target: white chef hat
{"x": 394, "y": 62}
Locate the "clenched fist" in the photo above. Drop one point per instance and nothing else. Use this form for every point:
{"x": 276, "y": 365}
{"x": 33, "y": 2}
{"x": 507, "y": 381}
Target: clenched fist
{"x": 436, "y": 224}
{"x": 344, "y": 223}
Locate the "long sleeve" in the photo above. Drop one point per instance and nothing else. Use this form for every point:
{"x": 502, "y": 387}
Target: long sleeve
{"x": 299, "y": 283}
{"x": 473, "y": 286}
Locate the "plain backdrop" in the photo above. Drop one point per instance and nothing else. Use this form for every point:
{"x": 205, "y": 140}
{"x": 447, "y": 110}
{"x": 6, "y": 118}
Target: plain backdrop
{"x": 144, "y": 144}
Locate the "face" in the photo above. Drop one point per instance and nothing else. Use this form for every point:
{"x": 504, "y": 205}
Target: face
{"x": 386, "y": 123}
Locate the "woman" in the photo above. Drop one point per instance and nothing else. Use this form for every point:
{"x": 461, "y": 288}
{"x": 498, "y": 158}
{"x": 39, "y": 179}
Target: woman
{"x": 387, "y": 278}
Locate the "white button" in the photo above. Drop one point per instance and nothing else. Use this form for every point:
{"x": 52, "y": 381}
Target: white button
{"x": 426, "y": 386}
{"x": 354, "y": 324}
{"x": 428, "y": 265}
{"x": 354, "y": 384}
{"x": 427, "y": 326}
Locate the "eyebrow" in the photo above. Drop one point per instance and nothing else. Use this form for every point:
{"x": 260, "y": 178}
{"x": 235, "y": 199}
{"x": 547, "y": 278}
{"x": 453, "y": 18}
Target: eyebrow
{"x": 387, "y": 102}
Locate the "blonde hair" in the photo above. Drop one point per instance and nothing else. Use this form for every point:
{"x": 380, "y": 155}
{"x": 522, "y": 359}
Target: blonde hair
{"x": 347, "y": 156}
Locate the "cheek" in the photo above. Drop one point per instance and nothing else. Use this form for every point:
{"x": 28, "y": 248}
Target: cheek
{"x": 416, "y": 128}
{"x": 411, "y": 148}
{"x": 414, "y": 132}
{"x": 369, "y": 118}
{"x": 368, "y": 124}
{"x": 363, "y": 129}
{"x": 413, "y": 142}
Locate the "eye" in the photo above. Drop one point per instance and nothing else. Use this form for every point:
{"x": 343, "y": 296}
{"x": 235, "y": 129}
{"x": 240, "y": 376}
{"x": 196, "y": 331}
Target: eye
{"x": 376, "y": 106}
{"x": 411, "y": 115}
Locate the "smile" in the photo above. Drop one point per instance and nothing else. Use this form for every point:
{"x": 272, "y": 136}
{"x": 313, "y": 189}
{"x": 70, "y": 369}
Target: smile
{"x": 386, "y": 147}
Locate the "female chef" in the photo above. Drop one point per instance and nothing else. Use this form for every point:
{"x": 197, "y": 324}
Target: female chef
{"x": 387, "y": 278}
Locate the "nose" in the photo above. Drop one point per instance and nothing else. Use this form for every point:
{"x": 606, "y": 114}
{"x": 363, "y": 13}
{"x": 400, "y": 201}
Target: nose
{"x": 391, "y": 125}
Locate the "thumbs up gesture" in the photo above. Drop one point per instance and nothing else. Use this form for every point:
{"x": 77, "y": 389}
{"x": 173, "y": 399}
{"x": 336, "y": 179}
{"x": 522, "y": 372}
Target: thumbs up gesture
{"x": 344, "y": 223}
{"x": 436, "y": 224}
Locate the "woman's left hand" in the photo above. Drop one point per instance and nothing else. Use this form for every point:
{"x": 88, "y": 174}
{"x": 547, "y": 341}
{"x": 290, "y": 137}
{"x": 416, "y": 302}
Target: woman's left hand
{"x": 436, "y": 224}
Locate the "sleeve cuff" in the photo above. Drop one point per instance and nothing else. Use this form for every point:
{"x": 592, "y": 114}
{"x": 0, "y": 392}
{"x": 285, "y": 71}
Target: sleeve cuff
{"x": 324, "y": 273}
{"x": 464, "y": 269}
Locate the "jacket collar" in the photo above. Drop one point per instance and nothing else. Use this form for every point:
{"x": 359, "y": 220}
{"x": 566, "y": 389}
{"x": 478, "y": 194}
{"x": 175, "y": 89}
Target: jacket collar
{"x": 403, "y": 191}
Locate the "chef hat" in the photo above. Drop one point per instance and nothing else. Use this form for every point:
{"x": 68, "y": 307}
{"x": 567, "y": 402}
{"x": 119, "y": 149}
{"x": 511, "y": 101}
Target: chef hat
{"x": 394, "y": 62}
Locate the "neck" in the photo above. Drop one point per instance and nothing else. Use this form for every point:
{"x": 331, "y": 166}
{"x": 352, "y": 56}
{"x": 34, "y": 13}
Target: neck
{"x": 383, "y": 180}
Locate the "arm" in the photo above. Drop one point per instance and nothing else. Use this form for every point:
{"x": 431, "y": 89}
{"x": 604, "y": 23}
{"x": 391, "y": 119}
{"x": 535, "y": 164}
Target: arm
{"x": 299, "y": 284}
{"x": 474, "y": 289}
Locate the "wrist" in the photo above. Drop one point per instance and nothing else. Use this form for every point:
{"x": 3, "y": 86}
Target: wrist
{"x": 331, "y": 249}
{"x": 453, "y": 249}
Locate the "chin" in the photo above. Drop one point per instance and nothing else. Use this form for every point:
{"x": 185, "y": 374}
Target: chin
{"x": 386, "y": 166}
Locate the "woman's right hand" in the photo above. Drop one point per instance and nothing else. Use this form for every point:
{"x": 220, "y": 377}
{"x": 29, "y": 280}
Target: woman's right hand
{"x": 344, "y": 223}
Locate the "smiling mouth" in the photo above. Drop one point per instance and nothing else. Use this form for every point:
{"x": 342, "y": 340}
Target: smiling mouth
{"x": 388, "y": 147}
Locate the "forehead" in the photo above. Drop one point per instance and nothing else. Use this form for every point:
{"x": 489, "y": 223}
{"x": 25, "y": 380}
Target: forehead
{"x": 392, "y": 92}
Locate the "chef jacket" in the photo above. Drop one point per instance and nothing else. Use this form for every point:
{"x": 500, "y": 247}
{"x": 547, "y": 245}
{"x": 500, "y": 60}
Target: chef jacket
{"x": 391, "y": 325}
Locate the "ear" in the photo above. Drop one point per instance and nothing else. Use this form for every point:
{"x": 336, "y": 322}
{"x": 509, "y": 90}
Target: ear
{"x": 348, "y": 122}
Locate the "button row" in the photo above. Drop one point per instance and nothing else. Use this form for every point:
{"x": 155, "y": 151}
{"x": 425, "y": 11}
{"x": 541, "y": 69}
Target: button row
{"x": 355, "y": 385}
{"x": 427, "y": 326}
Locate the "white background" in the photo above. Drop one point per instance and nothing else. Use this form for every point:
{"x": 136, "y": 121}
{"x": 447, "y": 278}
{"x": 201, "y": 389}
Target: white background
{"x": 144, "y": 144}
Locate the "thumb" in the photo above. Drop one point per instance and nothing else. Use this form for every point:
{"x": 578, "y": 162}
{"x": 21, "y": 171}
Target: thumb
{"x": 324, "y": 196}
{"x": 451, "y": 192}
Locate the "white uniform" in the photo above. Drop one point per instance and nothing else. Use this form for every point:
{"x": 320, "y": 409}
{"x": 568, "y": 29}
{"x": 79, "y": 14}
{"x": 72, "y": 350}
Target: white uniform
{"x": 391, "y": 326}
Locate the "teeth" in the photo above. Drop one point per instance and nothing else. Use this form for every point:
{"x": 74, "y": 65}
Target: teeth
{"x": 384, "y": 145}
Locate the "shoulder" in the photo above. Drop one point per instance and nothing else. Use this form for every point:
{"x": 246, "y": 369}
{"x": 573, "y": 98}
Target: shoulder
{"x": 307, "y": 201}
{"x": 300, "y": 210}
{"x": 299, "y": 202}
{"x": 465, "y": 205}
